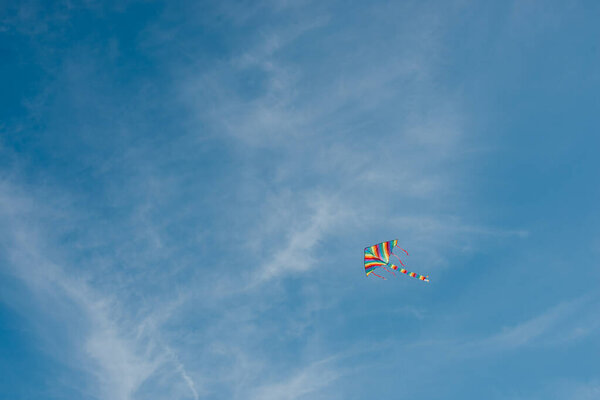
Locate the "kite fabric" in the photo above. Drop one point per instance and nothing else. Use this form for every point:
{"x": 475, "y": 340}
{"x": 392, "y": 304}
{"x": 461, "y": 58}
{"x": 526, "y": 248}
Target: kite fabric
{"x": 378, "y": 256}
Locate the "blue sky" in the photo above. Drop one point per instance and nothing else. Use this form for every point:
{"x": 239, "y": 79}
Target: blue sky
{"x": 186, "y": 191}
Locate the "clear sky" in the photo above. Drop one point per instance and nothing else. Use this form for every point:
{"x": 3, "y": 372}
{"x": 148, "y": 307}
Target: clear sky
{"x": 187, "y": 187}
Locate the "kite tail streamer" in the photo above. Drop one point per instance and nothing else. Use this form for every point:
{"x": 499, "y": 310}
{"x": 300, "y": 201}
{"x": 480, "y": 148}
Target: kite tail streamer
{"x": 415, "y": 275}
{"x": 399, "y": 259}
{"x": 391, "y": 272}
{"x": 403, "y": 250}
{"x": 378, "y": 276}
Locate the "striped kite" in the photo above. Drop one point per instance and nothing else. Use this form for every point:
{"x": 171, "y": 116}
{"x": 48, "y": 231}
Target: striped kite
{"x": 378, "y": 256}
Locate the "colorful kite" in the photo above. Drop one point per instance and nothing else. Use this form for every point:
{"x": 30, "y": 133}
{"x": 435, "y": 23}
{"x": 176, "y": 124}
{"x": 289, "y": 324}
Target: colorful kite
{"x": 378, "y": 256}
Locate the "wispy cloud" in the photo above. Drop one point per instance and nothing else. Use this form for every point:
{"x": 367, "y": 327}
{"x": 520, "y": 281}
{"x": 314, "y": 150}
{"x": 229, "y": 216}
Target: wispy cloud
{"x": 559, "y": 323}
{"x": 181, "y": 369}
{"x": 294, "y": 252}
{"x": 119, "y": 355}
{"x": 302, "y": 384}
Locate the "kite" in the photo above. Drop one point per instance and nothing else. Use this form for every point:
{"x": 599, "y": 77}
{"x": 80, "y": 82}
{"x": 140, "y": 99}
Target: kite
{"x": 378, "y": 256}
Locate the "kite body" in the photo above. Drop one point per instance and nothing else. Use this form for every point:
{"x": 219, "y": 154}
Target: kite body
{"x": 378, "y": 256}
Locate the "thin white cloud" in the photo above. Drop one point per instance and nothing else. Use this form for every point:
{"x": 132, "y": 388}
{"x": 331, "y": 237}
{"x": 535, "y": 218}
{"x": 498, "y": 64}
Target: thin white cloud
{"x": 584, "y": 391}
{"x": 118, "y": 356}
{"x": 305, "y": 383}
{"x": 559, "y": 324}
{"x": 295, "y": 251}
{"x": 184, "y": 374}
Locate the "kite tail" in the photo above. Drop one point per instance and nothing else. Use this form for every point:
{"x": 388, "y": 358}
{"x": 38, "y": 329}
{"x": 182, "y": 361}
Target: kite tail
{"x": 415, "y": 275}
